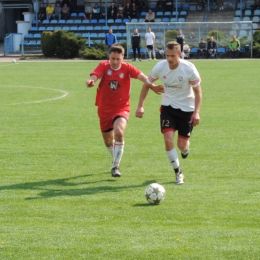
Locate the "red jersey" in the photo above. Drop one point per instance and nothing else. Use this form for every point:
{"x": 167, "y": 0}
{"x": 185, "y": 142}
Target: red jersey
{"x": 113, "y": 91}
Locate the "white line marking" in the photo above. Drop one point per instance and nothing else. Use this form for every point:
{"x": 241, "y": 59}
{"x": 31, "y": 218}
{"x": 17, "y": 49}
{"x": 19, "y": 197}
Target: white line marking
{"x": 65, "y": 93}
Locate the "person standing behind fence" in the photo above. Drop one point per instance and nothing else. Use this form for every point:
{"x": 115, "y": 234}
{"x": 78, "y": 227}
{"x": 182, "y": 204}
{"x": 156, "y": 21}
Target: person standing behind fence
{"x": 150, "y": 38}
{"x": 110, "y": 40}
{"x": 136, "y": 42}
{"x": 180, "y": 40}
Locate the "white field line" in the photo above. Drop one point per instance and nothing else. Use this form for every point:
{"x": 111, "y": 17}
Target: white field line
{"x": 64, "y": 94}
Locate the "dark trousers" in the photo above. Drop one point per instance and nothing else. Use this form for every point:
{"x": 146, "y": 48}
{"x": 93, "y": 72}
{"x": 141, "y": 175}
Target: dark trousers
{"x": 233, "y": 54}
{"x": 138, "y": 51}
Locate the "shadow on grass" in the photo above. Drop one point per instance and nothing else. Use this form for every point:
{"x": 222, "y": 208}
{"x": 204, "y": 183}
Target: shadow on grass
{"x": 61, "y": 187}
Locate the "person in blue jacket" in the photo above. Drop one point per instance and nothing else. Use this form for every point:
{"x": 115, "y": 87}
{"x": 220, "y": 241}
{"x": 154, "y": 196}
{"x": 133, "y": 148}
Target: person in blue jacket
{"x": 110, "y": 40}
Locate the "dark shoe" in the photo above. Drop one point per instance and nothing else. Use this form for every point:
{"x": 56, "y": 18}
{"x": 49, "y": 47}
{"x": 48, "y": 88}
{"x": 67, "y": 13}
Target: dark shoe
{"x": 179, "y": 178}
{"x": 115, "y": 172}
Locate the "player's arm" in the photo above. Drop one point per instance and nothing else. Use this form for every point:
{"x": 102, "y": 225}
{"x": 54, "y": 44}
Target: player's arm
{"x": 195, "y": 118}
{"x": 91, "y": 81}
{"x": 140, "y": 108}
{"x": 158, "y": 89}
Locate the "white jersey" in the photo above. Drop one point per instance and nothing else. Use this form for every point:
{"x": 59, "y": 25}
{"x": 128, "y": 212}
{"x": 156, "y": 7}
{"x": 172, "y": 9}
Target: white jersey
{"x": 178, "y": 84}
{"x": 149, "y": 37}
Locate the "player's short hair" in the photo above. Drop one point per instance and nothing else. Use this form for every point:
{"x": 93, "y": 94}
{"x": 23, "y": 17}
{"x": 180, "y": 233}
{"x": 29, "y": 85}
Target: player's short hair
{"x": 173, "y": 45}
{"x": 117, "y": 48}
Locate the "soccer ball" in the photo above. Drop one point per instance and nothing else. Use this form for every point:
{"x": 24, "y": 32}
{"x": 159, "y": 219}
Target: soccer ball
{"x": 154, "y": 193}
{"x": 13, "y": 60}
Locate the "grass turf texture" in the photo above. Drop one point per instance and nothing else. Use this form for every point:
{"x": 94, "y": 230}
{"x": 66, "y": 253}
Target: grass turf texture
{"x": 59, "y": 201}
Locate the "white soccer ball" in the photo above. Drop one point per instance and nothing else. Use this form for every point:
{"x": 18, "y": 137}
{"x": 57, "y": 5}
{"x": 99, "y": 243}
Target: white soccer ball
{"x": 13, "y": 60}
{"x": 154, "y": 193}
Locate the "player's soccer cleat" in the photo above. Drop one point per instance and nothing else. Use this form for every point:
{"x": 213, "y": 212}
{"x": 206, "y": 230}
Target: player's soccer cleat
{"x": 140, "y": 60}
{"x": 150, "y": 59}
{"x": 185, "y": 153}
{"x": 133, "y": 59}
{"x": 179, "y": 178}
{"x": 115, "y": 172}
{"x": 154, "y": 59}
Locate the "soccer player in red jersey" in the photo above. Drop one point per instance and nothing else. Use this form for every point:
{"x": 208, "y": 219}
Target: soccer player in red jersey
{"x": 113, "y": 100}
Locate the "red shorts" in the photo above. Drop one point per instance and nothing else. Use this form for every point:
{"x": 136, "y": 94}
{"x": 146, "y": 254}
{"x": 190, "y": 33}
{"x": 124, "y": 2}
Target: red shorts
{"x": 106, "y": 120}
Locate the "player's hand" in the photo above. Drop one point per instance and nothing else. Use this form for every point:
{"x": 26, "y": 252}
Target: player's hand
{"x": 158, "y": 89}
{"x": 195, "y": 119}
{"x": 90, "y": 83}
{"x": 139, "y": 112}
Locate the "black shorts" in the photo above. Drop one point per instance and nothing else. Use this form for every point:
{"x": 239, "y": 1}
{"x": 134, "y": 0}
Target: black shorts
{"x": 173, "y": 119}
{"x": 149, "y": 47}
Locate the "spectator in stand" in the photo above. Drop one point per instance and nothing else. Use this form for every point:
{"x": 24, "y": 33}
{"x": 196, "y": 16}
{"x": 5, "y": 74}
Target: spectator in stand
{"x": 256, "y": 5}
{"x": 49, "y": 11}
{"x": 212, "y": 47}
{"x": 180, "y": 40}
{"x": 160, "y": 6}
{"x": 57, "y": 2}
{"x": 128, "y": 11}
{"x": 103, "y": 11}
{"x": 202, "y": 48}
{"x": 112, "y": 11}
{"x": 150, "y": 16}
{"x": 42, "y": 13}
{"x": 57, "y": 12}
{"x": 65, "y": 12}
{"x": 67, "y": 2}
{"x": 135, "y": 12}
{"x": 234, "y": 46}
{"x": 136, "y": 43}
{"x": 88, "y": 11}
{"x": 120, "y": 11}
{"x": 143, "y": 6}
{"x": 221, "y": 4}
{"x": 96, "y": 11}
{"x": 168, "y": 6}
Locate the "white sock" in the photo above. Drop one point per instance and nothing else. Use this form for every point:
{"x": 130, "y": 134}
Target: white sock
{"x": 118, "y": 153}
{"x": 149, "y": 54}
{"x": 154, "y": 55}
{"x": 110, "y": 150}
{"x": 173, "y": 159}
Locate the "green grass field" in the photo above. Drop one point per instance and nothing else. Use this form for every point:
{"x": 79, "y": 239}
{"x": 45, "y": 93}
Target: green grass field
{"x": 59, "y": 201}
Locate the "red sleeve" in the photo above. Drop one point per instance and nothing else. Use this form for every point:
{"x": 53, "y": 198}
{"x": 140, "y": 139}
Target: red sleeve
{"x": 134, "y": 72}
{"x": 99, "y": 70}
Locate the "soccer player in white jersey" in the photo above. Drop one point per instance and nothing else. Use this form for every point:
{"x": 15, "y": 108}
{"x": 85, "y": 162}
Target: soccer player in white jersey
{"x": 181, "y": 103}
{"x": 150, "y": 39}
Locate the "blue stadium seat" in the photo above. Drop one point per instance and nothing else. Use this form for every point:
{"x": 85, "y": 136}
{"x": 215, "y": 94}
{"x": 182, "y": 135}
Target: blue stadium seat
{"x": 78, "y": 22}
{"x": 73, "y": 28}
{"x": 81, "y": 28}
{"x": 45, "y": 22}
{"x": 41, "y": 28}
{"x": 85, "y": 35}
{"x": 73, "y": 15}
{"x": 57, "y": 28}
{"x": 118, "y": 21}
{"x": 49, "y": 28}
{"x": 102, "y": 21}
{"x": 81, "y": 14}
{"x": 105, "y": 28}
{"x": 89, "y": 28}
{"x": 70, "y": 21}
{"x": 93, "y": 21}
{"x": 85, "y": 21}
{"x": 65, "y": 28}
{"x": 37, "y": 36}
{"x": 102, "y": 35}
{"x": 53, "y": 22}
{"x": 157, "y": 20}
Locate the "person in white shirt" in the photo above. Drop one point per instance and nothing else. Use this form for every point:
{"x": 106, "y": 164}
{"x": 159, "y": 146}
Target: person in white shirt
{"x": 150, "y": 39}
{"x": 181, "y": 101}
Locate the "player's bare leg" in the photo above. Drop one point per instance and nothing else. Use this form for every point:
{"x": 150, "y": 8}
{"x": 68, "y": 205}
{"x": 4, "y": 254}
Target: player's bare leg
{"x": 184, "y": 146}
